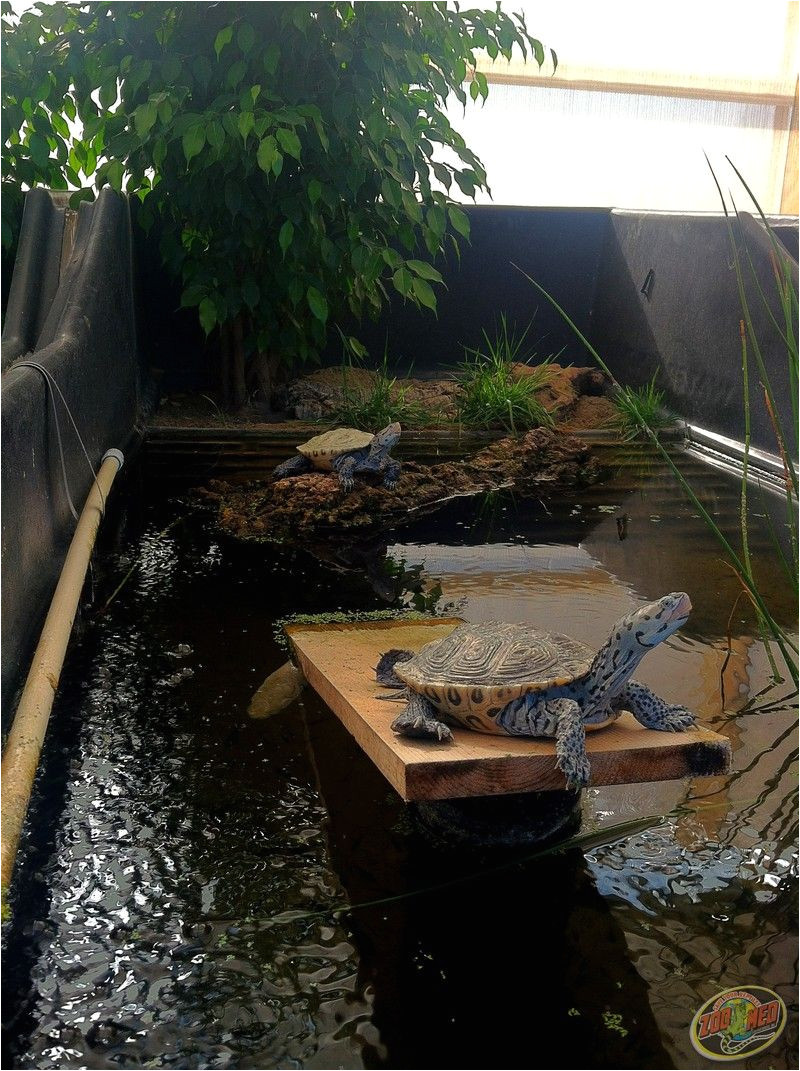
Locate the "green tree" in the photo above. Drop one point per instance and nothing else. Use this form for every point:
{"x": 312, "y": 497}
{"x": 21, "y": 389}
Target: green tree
{"x": 295, "y": 158}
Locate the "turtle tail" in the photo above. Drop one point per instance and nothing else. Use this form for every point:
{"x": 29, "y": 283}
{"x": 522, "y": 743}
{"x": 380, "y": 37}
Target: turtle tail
{"x": 384, "y": 671}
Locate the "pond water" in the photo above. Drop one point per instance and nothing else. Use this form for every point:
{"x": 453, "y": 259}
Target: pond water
{"x": 175, "y": 906}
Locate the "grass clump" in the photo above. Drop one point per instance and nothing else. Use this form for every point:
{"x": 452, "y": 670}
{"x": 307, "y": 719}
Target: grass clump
{"x": 640, "y": 408}
{"x": 492, "y": 395}
{"x": 386, "y": 402}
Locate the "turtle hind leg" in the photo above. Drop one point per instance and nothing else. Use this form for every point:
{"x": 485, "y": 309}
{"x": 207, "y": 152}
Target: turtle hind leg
{"x": 571, "y": 757}
{"x": 391, "y": 473}
{"x": 384, "y": 671}
{"x": 421, "y": 720}
{"x": 295, "y": 466}
{"x": 653, "y": 712}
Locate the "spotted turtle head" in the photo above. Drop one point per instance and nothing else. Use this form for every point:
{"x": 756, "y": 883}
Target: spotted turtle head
{"x": 388, "y": 438}
{"x": 630, "y": 640}
{"x": 648, "y": 625}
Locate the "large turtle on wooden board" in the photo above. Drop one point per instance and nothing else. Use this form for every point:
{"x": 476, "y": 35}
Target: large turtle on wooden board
{"x": 502, "y": 678}
{"x": 348, "y": 452}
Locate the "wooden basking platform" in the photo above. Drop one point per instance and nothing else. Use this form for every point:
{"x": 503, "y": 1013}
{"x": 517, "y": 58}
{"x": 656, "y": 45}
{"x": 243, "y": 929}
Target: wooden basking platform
{"x": 338, "y": 662}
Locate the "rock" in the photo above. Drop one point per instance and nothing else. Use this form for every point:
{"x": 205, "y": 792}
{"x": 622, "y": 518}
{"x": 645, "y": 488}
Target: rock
{"x": 322, "y": 393}
{"x": 313, "y": 506}
{"x": 565, "y": 387}
{"x": 589, "y": 412}
{"x": 276, "y": 693}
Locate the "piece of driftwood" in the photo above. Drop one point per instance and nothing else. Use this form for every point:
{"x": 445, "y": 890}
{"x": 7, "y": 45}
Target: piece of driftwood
{"x": 338, "y": 661}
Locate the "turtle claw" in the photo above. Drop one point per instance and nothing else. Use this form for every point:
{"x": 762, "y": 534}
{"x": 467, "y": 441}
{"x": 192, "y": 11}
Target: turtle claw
{"x": 578, "y": 773}
{"x": 416, "y": 724}
{"x": 677, "y": 719}
{"x": 346, "y": 483}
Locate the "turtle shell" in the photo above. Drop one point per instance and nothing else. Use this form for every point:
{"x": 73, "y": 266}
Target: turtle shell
{"x": 474, "y": 672}
{"x": 323, "y": 449}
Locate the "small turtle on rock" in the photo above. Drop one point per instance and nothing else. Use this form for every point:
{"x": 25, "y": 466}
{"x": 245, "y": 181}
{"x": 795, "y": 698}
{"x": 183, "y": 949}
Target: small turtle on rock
{"x": 348, "y": 452}
{"x": 509, "y": 679}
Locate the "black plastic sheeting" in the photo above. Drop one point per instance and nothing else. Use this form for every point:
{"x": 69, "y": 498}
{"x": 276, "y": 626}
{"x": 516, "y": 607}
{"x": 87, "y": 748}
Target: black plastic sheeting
{"x": 595, "y": 263}
{"x": 75, "y": 315}
{"x": 668, "y": 305}
{"x": 561, "y": 248}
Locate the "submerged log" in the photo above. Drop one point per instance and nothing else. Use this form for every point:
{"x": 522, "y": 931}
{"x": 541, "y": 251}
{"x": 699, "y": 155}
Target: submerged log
{"x": 313, "y": 504}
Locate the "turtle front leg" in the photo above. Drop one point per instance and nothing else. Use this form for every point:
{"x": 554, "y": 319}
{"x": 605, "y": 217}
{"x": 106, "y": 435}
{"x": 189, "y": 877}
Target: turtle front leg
{"x": 571, "y": 757}
{"x": 651, "y": 711}
{"x": 391, "y": 472}
{"x": 295, "y": 466}
{"x": 561, "y": 718}
{"x": 345, "y": 467}
{"x": 420, "y": 719}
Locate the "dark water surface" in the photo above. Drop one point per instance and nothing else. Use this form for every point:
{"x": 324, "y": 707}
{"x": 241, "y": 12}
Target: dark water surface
{"x": 174, "y": 906}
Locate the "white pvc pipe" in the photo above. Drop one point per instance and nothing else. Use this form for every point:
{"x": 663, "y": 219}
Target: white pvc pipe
{"x": 24, "y": 744}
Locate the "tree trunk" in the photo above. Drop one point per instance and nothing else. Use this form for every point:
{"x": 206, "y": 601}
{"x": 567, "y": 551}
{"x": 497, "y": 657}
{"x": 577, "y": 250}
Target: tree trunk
{"x": 225, "y": 366}
{"x": 264, "y": 367}
{"x": 238, "y": 384}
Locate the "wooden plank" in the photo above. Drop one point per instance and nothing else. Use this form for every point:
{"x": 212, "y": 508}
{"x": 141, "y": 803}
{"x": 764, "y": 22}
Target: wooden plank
{"x": 338, "y": 662}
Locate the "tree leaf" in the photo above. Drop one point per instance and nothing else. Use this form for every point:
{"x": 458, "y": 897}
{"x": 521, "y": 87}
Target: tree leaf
{"x": 236, "y": 73}
{"x": 403, "y": 281}
{"x": 459, "y": 220}
{"x": 246, "y": 121}
{"x": 40, "y": 151}
{"x": 208, "y": 315}
{"x": 144, "y": 117}
{"x": 357, "y": 347}
{"x": 267, "y": 152}
{"x": 271, "y": 56}
{"x": 108, "y": 93}
{"x": 114, "y": 175}
{"x": 224, "y": 37}
{"x": 192, "y": 295}
{"x": 285, "y": 236}
{"x": 423, "y": 293}
{"x": 390, "y": 191}
{"x": 193, "y": 141}
{"x": 246, "y": 36}
{"x": 289, "y": 142}
{"x": 215, "y": 134}
{"x": 392, "y": 257}
{"x": 427, "y": 271}
{"x": 314, "y": 190}
{"x": 317, "y": 303}
{"x": 250, "y": 291}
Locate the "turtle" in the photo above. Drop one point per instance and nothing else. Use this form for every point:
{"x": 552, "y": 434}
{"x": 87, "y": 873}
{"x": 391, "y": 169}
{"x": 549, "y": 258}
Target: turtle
{"x": 503, "y": 678}
{"x": 347, "y": 452}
